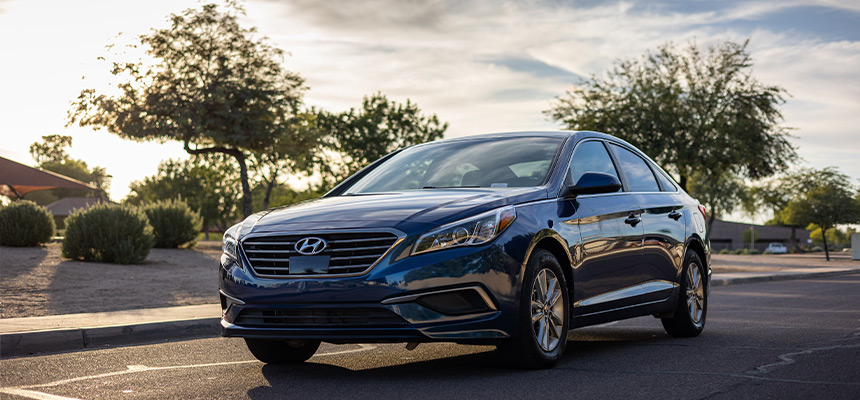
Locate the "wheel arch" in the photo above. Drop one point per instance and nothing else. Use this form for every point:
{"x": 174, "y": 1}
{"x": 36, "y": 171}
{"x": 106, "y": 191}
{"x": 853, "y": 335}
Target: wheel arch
{"x": 552, "y": 242}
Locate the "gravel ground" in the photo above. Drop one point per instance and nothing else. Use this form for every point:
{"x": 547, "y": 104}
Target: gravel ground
{"x": 37, "y": 281}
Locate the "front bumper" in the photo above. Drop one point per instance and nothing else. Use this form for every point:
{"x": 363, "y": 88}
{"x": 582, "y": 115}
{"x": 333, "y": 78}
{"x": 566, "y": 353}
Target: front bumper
{"x": 466, "y": 295}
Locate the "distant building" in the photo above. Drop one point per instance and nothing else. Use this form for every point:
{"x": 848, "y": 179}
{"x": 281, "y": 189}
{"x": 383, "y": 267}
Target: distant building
{"x": 730, "y": 235}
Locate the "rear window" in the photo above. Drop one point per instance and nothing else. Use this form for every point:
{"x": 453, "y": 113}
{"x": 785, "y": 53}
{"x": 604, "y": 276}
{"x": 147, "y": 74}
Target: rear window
{"x": 639, "y": 175}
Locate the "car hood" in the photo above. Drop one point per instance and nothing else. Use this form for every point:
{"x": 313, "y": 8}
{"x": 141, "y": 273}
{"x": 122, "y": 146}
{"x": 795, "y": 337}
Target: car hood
{"x": 407, "y": 211}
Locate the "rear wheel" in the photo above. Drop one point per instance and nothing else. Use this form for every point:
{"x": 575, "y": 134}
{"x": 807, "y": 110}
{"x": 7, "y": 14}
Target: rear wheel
{"x": 543, "y": 317}
{"x": 282, "y": 351}
{"x": 689, "y": 317}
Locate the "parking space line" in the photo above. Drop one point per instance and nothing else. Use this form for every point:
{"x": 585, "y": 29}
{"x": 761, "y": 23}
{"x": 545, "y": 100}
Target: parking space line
{"x": 131, "y": 369}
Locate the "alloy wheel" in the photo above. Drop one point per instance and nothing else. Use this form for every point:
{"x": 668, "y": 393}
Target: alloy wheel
{"x": 547, "y": 310}
{"x": 695, "y": 294}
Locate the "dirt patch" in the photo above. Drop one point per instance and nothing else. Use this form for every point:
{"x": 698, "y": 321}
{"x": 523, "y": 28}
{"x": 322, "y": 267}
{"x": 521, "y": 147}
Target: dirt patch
{"x": 38, "y": 281}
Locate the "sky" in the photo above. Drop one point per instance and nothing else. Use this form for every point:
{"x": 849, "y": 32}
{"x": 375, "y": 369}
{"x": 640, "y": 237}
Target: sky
{"x": 483, "y": 66}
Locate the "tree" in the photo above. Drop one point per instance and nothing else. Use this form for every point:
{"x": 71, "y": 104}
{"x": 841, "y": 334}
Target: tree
{"x": 775, "y": 194}
{"x": 213, "y": 86}
{"x": 293, "y": 151}
{"x": 51, "y": 149}
{"x": 834, "y": 236}
{"x": 50, "y": 154}
{"x": 720, "y": 195}
{"x": 688, "y": 110}
{"x": 380, "y": 126}
{"x": 830, "y": 202}
{"x": 207, "y": 184}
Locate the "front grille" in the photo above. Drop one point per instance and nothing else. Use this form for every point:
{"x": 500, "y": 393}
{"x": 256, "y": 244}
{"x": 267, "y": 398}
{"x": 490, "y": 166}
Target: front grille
{"x": 351, "y": 253}
{"x": 319, "y": 318}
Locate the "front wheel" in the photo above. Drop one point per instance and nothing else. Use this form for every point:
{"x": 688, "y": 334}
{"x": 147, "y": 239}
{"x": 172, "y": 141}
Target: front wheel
{"x": 282, "y": 351}
{"x": 689, "y": 317}
{"x": 543, "y": 315}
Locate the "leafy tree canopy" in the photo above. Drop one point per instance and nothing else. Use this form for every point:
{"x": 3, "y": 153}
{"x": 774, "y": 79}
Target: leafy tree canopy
{"x": 361, "y": 136}
{"x": 52, "y": 148}
{"x": 720, "y": 195}
{"x": 828, "y": 203}
{"x": 207, "y": 185}
{"x": 214, "y": 86}
{"x": 294, "y": 152}
{"x": 689, "y": 110}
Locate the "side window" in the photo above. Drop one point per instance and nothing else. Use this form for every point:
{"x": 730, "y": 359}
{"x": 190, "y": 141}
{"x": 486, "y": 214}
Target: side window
{"x": 665, "y": 182}
{"x": 590, "y": 157}
{"x": 639, "y": 175}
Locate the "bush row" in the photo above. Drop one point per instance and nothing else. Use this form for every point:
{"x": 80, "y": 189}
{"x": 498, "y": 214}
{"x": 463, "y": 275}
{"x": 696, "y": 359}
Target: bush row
{"x": 743, "y": 251}
{"x": 105, "y": 232}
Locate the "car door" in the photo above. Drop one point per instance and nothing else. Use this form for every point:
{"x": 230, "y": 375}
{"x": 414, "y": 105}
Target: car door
{"x": 662, "y": 220}
{"x": 611, "y": 235}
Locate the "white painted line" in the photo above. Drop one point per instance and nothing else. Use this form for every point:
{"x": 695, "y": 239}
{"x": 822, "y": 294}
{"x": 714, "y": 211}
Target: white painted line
{"x": 131, "y": 369}
{"x": 33, "y": 395}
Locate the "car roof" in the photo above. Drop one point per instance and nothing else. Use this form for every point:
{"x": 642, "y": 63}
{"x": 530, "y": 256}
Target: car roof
{"x": 520, "y": 134}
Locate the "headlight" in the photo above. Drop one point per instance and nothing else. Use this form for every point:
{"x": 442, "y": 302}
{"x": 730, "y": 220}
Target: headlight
{"x": 468, "y": 232}
{"x": 229, "y": 244}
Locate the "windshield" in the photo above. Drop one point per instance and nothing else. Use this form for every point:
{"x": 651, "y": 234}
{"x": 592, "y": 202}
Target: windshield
{"x": 495, "y": 162}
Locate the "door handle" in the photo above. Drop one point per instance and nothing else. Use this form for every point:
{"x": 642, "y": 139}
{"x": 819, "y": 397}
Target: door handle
{"x": 675, "y": 215}
{"x": 632, "y": 220}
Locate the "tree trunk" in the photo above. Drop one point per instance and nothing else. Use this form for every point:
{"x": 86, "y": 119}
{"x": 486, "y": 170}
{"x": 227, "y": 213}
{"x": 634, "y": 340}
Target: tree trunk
{"x": 824, "y": 236}
{"x": 683, "y": 181}
{"x": 243, "y": 171}
{"x": 711, "y": 219}
{"x": 270, "y": 184}
{"x": 247, "y": 208}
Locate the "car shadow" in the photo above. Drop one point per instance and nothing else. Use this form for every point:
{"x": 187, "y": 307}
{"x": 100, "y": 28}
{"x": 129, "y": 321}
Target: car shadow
{"x": 446, "y": 377}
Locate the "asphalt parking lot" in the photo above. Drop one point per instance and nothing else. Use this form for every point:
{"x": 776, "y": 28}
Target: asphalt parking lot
{"x": 787, "y": 339}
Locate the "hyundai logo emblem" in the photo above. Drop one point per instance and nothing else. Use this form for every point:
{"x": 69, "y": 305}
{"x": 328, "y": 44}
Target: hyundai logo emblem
{"x": 310, "y": 246}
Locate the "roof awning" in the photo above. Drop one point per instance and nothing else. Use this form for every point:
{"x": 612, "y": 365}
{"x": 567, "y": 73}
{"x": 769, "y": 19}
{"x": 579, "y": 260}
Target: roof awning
{"x": 17, "y": 179}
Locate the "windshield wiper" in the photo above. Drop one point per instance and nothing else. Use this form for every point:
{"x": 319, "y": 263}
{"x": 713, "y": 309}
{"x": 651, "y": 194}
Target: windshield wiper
{"x": 448, "y": 187}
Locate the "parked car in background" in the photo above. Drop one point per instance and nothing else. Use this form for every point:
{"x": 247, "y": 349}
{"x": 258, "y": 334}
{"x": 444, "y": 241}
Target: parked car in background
{"x": 504, "y": 239}
{"x": 776, "y": 248}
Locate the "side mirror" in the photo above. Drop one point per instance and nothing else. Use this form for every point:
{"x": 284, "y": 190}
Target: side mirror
{"x": 594, "y": 183}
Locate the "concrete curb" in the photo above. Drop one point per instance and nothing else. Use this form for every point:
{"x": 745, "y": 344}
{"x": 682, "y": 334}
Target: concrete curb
{"x": 730, "y": 279}
{"x": 59, "y": 340}
{"x": 57, "y": 336}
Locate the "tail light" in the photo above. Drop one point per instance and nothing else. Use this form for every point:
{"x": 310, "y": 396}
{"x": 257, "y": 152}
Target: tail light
{"x": 704, "y": 213}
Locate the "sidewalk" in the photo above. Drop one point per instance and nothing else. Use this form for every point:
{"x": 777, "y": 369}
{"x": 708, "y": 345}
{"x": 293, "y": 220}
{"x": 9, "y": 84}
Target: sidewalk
{"x": 23, "y": 336}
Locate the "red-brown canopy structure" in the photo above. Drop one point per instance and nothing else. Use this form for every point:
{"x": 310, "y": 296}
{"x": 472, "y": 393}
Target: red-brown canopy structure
{"x": 17, "y": 179}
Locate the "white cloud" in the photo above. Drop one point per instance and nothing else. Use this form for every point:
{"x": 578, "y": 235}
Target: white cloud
{"x": 484, "y": 66}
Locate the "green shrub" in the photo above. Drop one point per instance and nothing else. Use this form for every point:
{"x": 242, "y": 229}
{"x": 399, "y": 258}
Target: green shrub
{"x": 174, "y": 223}
{"x": 24, "y": 223}
{"x": 108, "y": 233}
{"x": 753, "y": 251}
{"x": 725, "y": 251}
{"x": 741, "y": 251}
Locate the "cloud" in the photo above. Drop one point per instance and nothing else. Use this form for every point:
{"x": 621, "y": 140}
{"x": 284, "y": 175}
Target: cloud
{"x": 484, "y": 66}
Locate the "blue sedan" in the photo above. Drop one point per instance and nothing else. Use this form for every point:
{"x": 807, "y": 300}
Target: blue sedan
{"x": 507, "y": 239}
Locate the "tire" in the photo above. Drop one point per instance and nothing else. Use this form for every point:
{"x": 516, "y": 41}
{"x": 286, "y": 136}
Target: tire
{"x": 282, "y": 351}
{"x": 543, "y": 323}
{"x": 689, "y": 317}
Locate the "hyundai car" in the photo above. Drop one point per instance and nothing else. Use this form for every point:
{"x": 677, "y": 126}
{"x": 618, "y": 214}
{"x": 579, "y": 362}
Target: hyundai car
{"x": 507, "y": 239}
